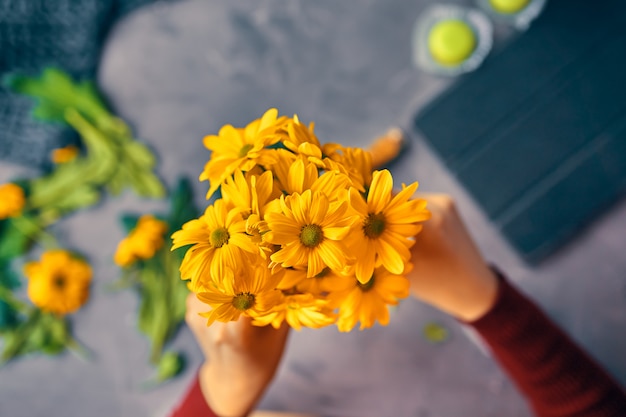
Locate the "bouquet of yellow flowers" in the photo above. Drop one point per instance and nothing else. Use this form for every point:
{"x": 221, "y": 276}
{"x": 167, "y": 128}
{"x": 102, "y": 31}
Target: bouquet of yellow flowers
{"x": 303, "y": 232}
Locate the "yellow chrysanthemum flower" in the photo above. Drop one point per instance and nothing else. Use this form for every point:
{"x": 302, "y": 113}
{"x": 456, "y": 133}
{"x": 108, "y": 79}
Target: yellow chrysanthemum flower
{"x": 250, "y": 290}
{"x": 143, "y": 242}
{"x": 12, "y": 200}
{"x": 387, "y": 226}
{"x": 296, "y": 134}
{"x": 301, "y": 175}
{"x": 219, "y": 240}
{"x": 299, "y": 310}
{"x": 250, "y": 192}
{"x": 310, "y": 230}
{"x": 367, "y": 303}
{"x": 58, "y": 283}
{"x": 64, "y": 155}
{"x": 242, "y": 149}
{"x": 354, "y": 162}
{"x": 301, "y": 140}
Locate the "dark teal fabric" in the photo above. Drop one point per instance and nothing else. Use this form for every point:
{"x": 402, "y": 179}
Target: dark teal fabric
{"x": 33, "y": 34}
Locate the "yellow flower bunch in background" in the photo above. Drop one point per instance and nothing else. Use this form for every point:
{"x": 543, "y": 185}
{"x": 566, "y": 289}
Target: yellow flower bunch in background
{"x": 64, "y": 155}
{"x": 59, "y": 282}
{"x": 12, "y": 200}
{"x": 142, "y": 242}
{"x": 303, "y": 232}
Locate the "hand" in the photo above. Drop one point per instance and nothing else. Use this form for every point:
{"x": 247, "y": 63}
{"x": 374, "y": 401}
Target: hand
{"x": 449, "y": 271}
{"x": 241, "y": 359}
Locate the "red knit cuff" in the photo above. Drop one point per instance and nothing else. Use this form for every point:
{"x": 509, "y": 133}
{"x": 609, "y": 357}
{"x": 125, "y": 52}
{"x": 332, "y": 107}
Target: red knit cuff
{"x": 194, "y": 404}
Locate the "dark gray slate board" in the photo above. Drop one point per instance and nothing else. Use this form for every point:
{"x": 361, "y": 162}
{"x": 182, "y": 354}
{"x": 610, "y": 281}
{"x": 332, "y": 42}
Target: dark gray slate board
{"x": 538, "y": 134}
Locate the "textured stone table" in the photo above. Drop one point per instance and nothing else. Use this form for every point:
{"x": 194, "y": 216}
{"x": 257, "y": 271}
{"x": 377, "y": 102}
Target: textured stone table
{"x": 178, "y": 71}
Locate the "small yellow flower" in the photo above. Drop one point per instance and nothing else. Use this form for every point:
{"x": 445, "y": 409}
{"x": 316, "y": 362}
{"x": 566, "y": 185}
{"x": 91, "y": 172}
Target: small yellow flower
{"x": 250, "y": 290}
{"x": 12, "y": 200}
{"x": 297, "y": 134}
{"x": 367, "y": 303}
{"x": 64, "y": 155}
{"x": 300, "y": 175}
{"x": 310, "y": 230}
{"x": 142, "y": 242}
{"x": 58, "y": 283}
{"x": 219, "y": 241}
{"x": 354, "y": 162}
{"x": 250, "y": 192}
{"x": 387, "y": 226}
{"x": 236, "y": 148}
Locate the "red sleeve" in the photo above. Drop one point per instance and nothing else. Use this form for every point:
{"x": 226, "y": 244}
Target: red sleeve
{"x": 193, "y": 404}
{"x": 557, "y": 377}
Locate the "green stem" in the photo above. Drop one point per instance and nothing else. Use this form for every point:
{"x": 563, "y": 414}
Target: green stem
{"x": 21, "y": 334}
{"x": 7, "y": 296}
{"x": 78, "y": 350}
{"x": 27, "y": 226}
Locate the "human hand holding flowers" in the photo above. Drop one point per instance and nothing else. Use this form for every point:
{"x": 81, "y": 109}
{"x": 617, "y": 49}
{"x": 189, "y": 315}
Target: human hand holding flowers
{"x": 448, "y": 270}
{"x": 241, "y": 359}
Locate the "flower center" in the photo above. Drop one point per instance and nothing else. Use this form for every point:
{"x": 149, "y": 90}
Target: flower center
{"x": 245, "y": 149}
{"x": 219, "y": 237}
{"x": 243, "y": 301}
{"x": 58, "y": 282}
{"x": 367, "y": 286}
{"x": 374, "y": 225}
{"x": 311, "y": 235}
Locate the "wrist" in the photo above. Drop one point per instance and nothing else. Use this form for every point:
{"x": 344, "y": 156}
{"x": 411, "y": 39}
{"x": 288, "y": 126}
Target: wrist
{"x": 476, "y": 296}
{"x": 466, "y": 293}
{"x": 223, "y": 395}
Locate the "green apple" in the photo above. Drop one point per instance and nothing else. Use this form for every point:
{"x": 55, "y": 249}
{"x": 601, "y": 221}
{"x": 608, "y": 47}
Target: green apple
{"x": 509, "y": 6}
{"x": 451, "y": 41}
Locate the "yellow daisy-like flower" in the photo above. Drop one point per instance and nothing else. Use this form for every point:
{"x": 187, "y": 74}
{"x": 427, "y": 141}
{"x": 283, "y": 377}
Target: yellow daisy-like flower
{"x": 299, "y": 310}
{"x": 219, "y": 240}
{"x": 368, "y": 302}
{"x": 242, "y": 149}
{"x": 64, "y": 155}
{"x": 293, "y": 174}
{"x": 250, "y": 290}
{"x": 310, "y": 231}
{"x": 250, "y": 192}
{"x": 301, "y": 140}
{"x": 354, "y": 162}
{"x": 297, "y": 134}
{"x": 58, "y": 283}
{"x": 12, "y": 200}
{"x": 302, "y": 175}
{"x": 143, "y": 241}
{"x": 387, "y": 226}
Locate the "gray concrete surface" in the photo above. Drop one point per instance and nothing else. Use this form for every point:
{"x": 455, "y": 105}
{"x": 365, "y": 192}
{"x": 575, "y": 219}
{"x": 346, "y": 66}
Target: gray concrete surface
{"x": 178, "y": 71}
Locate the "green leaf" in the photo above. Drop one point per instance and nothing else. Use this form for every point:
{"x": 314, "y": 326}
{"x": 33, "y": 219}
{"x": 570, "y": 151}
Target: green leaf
{"x": 8, "y": 317}
{"x": 76, "y": 185}
{"x": 170, "y": 365}
{"x": 135, "y": 165}
{"x": 145, "y": 320}
{"x": 16, "y": 236}
{"x": 55, "y": 92}
{"x": 21, "y": 339}
{"x": 8, "y": 310}
{"x": 183, "y": 207}
{"x": 57, "y": 334}
{"x": 129, "y": 222}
